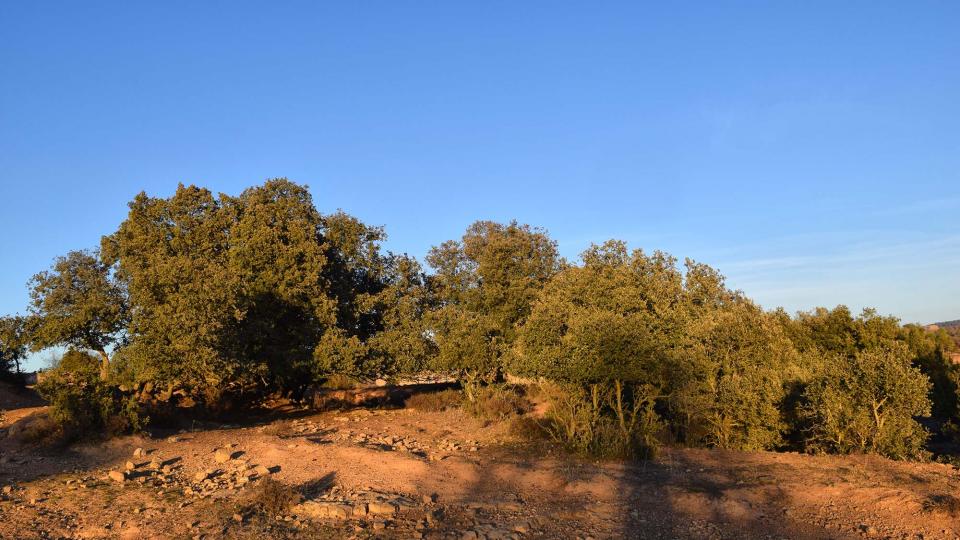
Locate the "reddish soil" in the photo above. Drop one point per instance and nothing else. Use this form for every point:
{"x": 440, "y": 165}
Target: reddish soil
{"x": 459, "y": 478}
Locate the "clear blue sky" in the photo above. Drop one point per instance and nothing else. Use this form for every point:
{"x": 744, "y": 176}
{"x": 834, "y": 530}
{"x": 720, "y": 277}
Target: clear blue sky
{"x": 810, "y": 150}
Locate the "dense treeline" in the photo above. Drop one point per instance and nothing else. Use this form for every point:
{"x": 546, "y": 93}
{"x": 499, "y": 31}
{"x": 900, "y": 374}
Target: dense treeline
{"x": 215, "y": 298}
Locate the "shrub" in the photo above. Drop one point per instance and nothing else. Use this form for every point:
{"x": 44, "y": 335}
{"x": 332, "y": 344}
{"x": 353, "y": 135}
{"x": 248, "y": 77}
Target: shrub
{"x": 338, "y": 381}
{"x": 603, "y": 422}
{"x": 271, "y": 498}
{"x": 81, "y": 403}
{"x": 867, "y": 403}
{"x": 496, "y": 402}
{"x": 435, "y": 401}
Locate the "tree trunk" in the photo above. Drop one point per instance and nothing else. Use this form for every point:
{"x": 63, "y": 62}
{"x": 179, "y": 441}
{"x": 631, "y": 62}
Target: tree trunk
{"x": 104, "y": 365}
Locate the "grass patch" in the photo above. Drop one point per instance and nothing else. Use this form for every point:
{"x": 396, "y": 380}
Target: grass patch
{"x": 435, "y": 401}
{"x": 339, "y": 381}
{"x": 494, "y": 402}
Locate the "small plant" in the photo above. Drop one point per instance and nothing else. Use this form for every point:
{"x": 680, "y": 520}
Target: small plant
{"x": 337, "y": 381}
{"x": 435, "y": 401}
{"x": 494, "y": 403}
{"x": 270, "y": 498}
{"x": 81, "y": 403}
{"x": 603, "y": 422}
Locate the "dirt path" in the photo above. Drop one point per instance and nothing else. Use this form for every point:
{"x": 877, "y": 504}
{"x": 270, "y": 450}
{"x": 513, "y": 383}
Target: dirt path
{"x": 446, "y": 475}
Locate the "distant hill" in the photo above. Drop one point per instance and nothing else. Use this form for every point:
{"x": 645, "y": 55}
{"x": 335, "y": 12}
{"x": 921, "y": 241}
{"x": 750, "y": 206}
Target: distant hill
{"x": 948, "y": 324}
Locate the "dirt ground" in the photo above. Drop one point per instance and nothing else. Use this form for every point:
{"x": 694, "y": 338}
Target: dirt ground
{"x": 411, "y": 474}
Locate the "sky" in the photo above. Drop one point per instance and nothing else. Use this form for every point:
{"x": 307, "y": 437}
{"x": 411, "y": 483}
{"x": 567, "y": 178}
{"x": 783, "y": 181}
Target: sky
{"x": 808, "y": 150}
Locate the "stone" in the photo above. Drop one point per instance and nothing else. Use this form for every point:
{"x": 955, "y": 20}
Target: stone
{"x": 201, "y": 476}
{"x": 7, "y": 490}
{"x": 380, "y": 382}
{"x": 323, "y": 510}
{"x": 222, "y": 456}
{"x": 238, "y": 518}
{"x": 130, "y": 466}
{"x": 262, "y": 470}
{"x": 508, "y": 506}
{"x": 117, "y": 476}
{"x": 139, "y": 453}
{"x": 382, "y": 508}
{"x": 430, "y": 499}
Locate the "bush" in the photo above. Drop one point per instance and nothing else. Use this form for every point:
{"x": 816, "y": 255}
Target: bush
{"x": 435, "y": 401}
{"x": 270, "y": 498}
{"x": 603, "y": 421}
{"x": 867, "y": 403}
{"x": 81, "y": 403}
{"x": 496, "y": 402}
{"x": 339, "y": 381}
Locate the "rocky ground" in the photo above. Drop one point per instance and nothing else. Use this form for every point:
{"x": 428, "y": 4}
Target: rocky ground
{"x": 411, "y": 474}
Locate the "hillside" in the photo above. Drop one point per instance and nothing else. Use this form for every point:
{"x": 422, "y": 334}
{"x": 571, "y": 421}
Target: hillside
{"x": 948, "y": 324}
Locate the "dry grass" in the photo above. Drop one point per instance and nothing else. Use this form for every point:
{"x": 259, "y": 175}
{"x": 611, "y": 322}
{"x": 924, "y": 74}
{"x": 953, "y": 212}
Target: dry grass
{"x": 337, "y": 381}
{"x": 270, "y": 498}
{"x": 435, "y": 401}
{"x": 494, "y": 403}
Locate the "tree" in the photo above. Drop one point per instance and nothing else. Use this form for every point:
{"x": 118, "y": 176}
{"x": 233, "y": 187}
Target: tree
{"x": 867, "y": 403}
{"x": 13, "y": 347}
{"x": 485, "y": 285}
{"x": 172, "y": 254}
{"x": 78, "y": 303}
{"x": 402, "y": 342}
{"x": 249, "y": 292}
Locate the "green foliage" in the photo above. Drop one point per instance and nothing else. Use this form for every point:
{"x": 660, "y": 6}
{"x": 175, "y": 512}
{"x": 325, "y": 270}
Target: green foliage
{"x": 711, "y": 360}
{"x": 77, "y": 303}
{"x": 261, "y": 290}
{"x": 81, "y": 403}
{"x": 402, "y": 343}
{"x": 485, "y": 284}
{"x": 219, "y": 296}
{"x": 608, "y": 422}
{"x": 13, "y": 347}
{"x": 867, "y": 403}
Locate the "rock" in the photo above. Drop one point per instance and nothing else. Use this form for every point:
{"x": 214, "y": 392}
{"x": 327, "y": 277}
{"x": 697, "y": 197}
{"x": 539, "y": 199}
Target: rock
{"x": 139, "y": 453}
{"x": 382, "y": 508}
{"x": 380, "y": 382}
{"x": 262, "y": 470}
{"x": 117, "y": 476}
{"x": 469, "y": 535}
{"x": 130, "y": 466}
{"x": 7, "y": 490}
{"x": 430, "y": 499}
{"x": 508, "y": 506}
{"x": 238, "y": 518}
{"x": 323, "y": 510}
{"x": 201, "y": 476}
{"x": 222, "y": 456}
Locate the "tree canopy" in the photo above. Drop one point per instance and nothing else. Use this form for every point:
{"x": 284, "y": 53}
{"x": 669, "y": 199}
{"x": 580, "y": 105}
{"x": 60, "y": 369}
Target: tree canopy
{"x": 215, "y": 295}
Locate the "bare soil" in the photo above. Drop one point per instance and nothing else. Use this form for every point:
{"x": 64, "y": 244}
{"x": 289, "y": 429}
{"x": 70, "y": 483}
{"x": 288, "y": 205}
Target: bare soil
{"x": 448, "y": 475}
